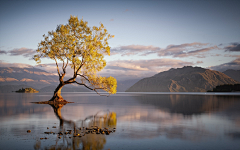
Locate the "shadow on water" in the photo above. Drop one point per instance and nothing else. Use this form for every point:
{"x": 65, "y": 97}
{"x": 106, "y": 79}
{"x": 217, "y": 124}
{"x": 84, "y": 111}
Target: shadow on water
{"x": 82, "y": 134}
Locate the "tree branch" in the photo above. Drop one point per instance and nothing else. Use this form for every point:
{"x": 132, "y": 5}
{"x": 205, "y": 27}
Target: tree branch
{"x": 84, "y": 77}
{"x": 57, "y": 67}
{"x": 64, "y": 67}
{"x": 93, "y": 89}
{"x": 80, "y": 66}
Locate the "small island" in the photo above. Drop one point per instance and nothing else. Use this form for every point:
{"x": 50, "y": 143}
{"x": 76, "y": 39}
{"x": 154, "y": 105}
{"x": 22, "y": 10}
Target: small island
{"x": 27, "y": 90}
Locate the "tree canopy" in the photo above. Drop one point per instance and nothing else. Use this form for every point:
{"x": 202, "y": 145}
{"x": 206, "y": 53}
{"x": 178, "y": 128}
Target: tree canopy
{"x": 82, "y": 48}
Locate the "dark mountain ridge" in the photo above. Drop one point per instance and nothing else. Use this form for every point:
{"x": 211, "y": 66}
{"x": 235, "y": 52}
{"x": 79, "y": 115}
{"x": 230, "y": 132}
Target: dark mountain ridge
{"x": 186, "y": 79}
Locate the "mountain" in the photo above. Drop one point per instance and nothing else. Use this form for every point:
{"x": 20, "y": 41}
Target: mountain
{"x": 186, "y": 79}
{"x": 31, "y": 77}
{"x": 235, "y": 74}
{"x": 122, "y": 86}
{"x": 17, "y": 78}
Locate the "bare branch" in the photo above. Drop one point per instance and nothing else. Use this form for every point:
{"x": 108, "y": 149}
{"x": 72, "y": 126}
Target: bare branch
{"x": 93, "y": 89}
{"x": 66, "y": 64}
{"x": 63, "y": 67}
{"x": 84, "y": 77}
{"x": 57, "y": 67}
{"x": 80, "y": 66}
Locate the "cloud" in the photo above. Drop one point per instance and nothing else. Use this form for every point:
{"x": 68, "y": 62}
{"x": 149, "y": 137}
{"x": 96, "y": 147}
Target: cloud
{"x": 132, "y": 69}
{"x": 126, "y": 10}
{"x": 135, "y": 49}
{"x": 235, "y": 65}
{"x": 22, "y": 51}
{"x": 195, "y": 49}
{"x": 227, "y": 55}
{"x": 199, "y": 62}
{"x": 121, "y": 69}
{"x": 111, "y": 19}
{"x": 234, "y": 47}
{"x": 147, "y": 65}
{"x": 3, "y": 52}
{"x": 20, "y": 65}
{"x": 216, "y": 55}
{"x": 185, "y": 50}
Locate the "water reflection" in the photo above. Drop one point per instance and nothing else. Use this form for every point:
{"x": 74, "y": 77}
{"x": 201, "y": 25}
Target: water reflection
{"x": 184, "y": 117}
{"x": 143, "y": 121}
{"x": 85, "y": 134}
{"x": 190, "y": 104}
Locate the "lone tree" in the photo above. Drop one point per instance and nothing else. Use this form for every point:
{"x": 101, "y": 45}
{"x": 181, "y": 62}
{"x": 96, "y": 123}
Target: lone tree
{"x": 82, "y": 48}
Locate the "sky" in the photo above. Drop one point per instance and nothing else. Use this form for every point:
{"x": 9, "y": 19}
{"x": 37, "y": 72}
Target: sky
{"x": 150, "y": 36}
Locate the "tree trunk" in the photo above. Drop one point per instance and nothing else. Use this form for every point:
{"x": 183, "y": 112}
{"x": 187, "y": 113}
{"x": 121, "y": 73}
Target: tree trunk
{"x": 57, "y": 94}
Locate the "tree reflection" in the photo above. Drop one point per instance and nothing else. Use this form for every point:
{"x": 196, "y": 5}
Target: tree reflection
{"x": 83, "y": 134}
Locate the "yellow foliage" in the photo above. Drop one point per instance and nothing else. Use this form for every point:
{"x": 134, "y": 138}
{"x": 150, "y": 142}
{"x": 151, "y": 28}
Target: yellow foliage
{"x": 84, "y": 47}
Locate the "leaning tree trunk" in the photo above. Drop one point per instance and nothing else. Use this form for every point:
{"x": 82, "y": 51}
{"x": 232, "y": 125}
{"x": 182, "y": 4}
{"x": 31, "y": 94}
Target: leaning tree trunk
{"x": 57, "y": 94}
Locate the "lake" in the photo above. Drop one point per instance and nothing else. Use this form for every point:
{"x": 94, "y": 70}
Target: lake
{"x": 144, "y": 121}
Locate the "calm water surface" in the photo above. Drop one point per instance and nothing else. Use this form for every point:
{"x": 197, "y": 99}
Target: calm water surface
{"x": 142, "y": 121}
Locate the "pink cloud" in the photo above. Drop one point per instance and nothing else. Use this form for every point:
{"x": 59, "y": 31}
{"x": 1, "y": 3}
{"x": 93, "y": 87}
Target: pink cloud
{"x": 22, "y": 51}
{"x": 20, "y": 65}
{"x": 195, "y": 49}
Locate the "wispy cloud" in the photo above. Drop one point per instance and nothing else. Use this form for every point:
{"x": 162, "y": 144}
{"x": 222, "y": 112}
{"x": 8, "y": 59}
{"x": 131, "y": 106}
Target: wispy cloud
{"x": 20, "y": 65}
{"x": 235, "y": 64}
{"x": 233, "y": 47}
{"x": 135, "y": 50}
{"x": 130, "y": 69}
{"x": 186, "y": 50}
{"x": 195, "y": 49}
{"x": 199, "y": 62}
{"x": 22, "y": 51}
{"x": 121, "y": 69}
{"x": 228, "y": 55}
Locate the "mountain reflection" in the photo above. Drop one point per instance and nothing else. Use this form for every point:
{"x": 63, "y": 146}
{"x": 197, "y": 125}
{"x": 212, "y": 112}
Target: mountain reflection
{"x": 87, "y": 138}
{"x": 190, "y": 104}
{"x": 185, "y": 117}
